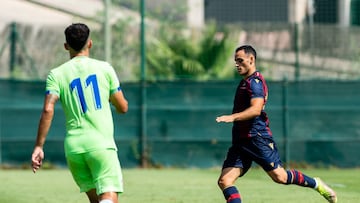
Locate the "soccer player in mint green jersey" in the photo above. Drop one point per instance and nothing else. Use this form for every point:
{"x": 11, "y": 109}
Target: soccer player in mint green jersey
{"x": 85, "y": 88}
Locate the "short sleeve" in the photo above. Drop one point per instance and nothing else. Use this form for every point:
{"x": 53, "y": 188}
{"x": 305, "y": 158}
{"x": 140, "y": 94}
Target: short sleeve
{"x": 113, "y": 81}
{"x": 52, "y": 87}
{"x": 257, "y": 88}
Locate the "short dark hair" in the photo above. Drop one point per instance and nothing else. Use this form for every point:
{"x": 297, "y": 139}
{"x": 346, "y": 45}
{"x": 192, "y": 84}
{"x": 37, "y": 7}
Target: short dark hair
{"x": 77, "y": 35}
{"x": 248, "y": 49}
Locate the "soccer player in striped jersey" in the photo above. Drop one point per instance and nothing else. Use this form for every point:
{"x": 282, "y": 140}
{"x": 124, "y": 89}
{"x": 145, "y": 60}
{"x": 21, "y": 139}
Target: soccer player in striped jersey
{"x": 85, "y": 88}
{"x": 252, "y": 138}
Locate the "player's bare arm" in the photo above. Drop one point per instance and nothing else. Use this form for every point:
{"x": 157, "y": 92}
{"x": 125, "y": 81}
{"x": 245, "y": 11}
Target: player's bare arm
{"x": 118, "y": 100}
{"x": 43, "y": 129}
{"x": 253, "y": 111}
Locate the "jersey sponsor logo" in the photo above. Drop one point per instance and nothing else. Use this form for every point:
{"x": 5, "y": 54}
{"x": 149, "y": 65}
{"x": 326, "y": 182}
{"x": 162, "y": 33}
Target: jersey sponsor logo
{"x": 271, "y": 145}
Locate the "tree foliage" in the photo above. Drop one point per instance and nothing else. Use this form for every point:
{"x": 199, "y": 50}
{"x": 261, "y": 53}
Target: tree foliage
{"x": 174, "y": 54}
{"x": 173, "y": 51}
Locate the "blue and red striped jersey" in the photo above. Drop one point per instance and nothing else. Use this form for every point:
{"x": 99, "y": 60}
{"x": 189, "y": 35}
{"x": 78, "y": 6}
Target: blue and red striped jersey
{"x": 252, "y": 87}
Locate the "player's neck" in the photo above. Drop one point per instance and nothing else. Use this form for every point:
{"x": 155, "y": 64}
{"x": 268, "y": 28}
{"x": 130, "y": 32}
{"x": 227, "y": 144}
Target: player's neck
{"x": 81, "y": 53}
{"x": 249, "y": 73}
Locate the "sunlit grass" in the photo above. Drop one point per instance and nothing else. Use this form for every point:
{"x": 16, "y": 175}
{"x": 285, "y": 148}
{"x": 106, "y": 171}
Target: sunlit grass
{"x": 174, "y": 185}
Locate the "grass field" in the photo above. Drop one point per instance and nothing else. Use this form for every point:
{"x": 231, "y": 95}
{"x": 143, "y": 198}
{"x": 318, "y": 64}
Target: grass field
{"x": 174, "y": 186}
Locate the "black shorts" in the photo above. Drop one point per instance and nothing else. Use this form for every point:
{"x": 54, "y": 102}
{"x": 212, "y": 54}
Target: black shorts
{"x": 261, "y": 149}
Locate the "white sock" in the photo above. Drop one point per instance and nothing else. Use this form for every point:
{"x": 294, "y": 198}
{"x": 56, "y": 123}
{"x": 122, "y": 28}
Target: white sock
{"x": 106, "y": 201}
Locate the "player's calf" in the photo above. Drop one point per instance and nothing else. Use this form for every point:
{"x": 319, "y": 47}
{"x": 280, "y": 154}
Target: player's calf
{"x": 298, "y": 178}
{"x": 232, "y": 195}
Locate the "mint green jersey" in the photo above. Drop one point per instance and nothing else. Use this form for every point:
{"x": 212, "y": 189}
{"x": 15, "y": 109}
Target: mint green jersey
{"x": 84, "y": 86}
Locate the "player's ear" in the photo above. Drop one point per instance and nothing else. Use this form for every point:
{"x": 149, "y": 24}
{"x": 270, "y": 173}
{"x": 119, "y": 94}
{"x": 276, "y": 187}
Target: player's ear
{"x": 252, "y": 60}
{"x": 90, "y": 43}
{"x": 66, "y": 46}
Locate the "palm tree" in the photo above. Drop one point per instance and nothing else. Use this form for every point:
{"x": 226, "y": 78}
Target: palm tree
{"x": 175, "y": 55}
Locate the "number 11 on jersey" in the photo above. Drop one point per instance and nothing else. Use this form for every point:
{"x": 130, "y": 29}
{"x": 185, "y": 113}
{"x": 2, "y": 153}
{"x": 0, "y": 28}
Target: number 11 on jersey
{"x": 91, "y": 81}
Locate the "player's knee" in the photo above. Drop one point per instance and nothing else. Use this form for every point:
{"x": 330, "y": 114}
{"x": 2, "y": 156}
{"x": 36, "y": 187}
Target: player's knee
{"x": 278, "y": 175}
{"x": 281, "y": 179}
{"x": 108, "y": 197}
{"x": 106, "y": 201}
{"x": 224, "y": 183}
{"x": 93, "y": 198}
{"x": 220, "y": 182}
